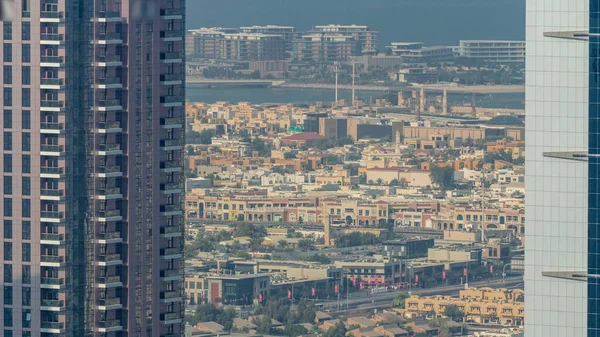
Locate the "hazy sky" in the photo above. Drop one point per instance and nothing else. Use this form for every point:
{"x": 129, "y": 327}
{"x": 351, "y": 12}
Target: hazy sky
{"x": 430, "y": 21}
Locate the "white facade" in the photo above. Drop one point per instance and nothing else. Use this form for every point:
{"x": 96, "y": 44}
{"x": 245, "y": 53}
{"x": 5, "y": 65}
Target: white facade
{"x": 556, "y": 197}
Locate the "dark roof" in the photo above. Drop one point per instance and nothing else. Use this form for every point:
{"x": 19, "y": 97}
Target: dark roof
{"x": 505, "y": 120}
{"x": 304, "y": 136}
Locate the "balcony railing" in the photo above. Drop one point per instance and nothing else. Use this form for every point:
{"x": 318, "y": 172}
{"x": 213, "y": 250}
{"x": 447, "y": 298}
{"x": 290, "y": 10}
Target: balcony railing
{"x": 109, "y": 301}
{"x": 109, "y": 125}
{"x": 52, "y": 215}
{"x": 170, "y": 77}
{"x": 52, "y": 170}
{"x": 170, "y": 186}
{"x": 170, "y": 164}
{"x": 52, "y": 59}
{"x": 52, "y": 281}
{"x": 52, "y": 258}
{"x": 109, "y": 235}
{"x": 109, "y": 103}
{"x": 109, "y": 257}
{"x": 107, "y": 214}
{"x": 51, "y": 15}
{"x": 170, "y": 208}
{"x": 171, "y": 11}
{"x": 52, "y": 148}
{"x": 170, "y": 56}
{"x": 171, "y": 121}
{"x": 52, "y": 237}
{"x": 171, "y": 99}
{"x": 109, "y": 279}
{"x": 52, "y": 104}
{"x": 171, "y": 142}
{"x": 108, "y": 58}
{"x": 109, "y": 169}
{"x": 171, "y": 251}
{"x": 110, "y": 80}
{"x": 110, "y": 191}
{"x": 170, "y": 229}
{"x": 171, "y": 316}
{"x": 109, "y": 147}
{"x": 109, "y": 36}
{"x": 110, "y": 323}
{"x": 108, "y": 14}
{"x": 170, "y": 294}
{"x": 51, "y": 37}
{"x": 51, "y": 126}
{"x": 52, "y": 81}
{"x": 52, "y": 325}
{"x": 52, "y": 193}
{"x": 52, "y": 303}
{"x": 170, "y": 273}
{"x": 171, "y": 33}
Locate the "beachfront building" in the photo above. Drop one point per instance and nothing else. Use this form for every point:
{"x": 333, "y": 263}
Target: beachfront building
{"x": 498, "y": 51}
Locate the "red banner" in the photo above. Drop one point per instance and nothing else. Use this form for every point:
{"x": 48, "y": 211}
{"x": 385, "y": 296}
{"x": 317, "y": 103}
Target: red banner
{"x": 336, "y": 288}
{"x": 443, "y": 275}
{"x": 314, "y": 292}
{"x": 491, "y": 268}
{"x": 260, "y": 298}
{"x": 289, "y": 294}
{"x": 417, "y": 278}
{"x": 465, "y": 272}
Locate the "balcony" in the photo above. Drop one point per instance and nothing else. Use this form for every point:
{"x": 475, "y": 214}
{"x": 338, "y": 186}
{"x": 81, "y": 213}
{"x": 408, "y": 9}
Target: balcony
{"x": 52, "y": 39}
{"x": 109, "y": 304}
{"x": 112, "y": 215}
{"x": 52, "y": 170}
{"x": 169, "y": 210}
{"x": 171, "y": 231}
{"x": 49, "y": 16}
{"x": 109, "y": 105}
{"x": 109, "y": 127}
{"x": 109, "y": 83}
{"x": 109, "y": 193}
{"x": 109, "y": 16}
{"x": 52, "y": 216}
{"x": 170, "y": 274}
{"x": 109, "y": 260}
{"x": 171, "y": 318}
{"x": 109, "y": 60}
{"x": 52, "y": 305}
{"x": 171, "y": 13}
{"x": 172, "y": 123}
{"x": 171, "y": 166}
{"x": 171, "y": 144}
{"x": 110, "y": 171}
{"x": 52, "y": 128}
{"x": 175, "y": 57}
{"x": 171, "y": 253}
{"x": 52, "y": 327}
{"x": 52, "y": 83}
{"x": 171, "y": 35}
{"x": 109, "y": 38}
{"x": 109, "y": 237}
{"x": 52, "y": 61}
{"x": 170, "y": 296}
{"x": 52, "y": 261}
{"x": 52, "y": 194}
{"x": 109, "y": 149}
{"x": 170, "y": 188}
{"x": 52, "y": 105}
{"x": 109, "y": 282}
{"x": 52, "y": 238}
{"x": 109, "y": 325}
{"x": 171, "y": 79}
{"x": 52, "y": 150}
{"x": 52, "y": 283}
{"x": 171, "y": 101}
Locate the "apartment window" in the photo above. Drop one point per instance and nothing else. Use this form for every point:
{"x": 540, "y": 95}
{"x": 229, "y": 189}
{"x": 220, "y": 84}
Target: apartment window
{"x": 8, "y": 232}
{"x": 7, "y": 52}
{"x": 7, "y": 30}
{"x": 8, "y": 319}
{"x": 7, "y": 95}
{"x": 26, "y": 120}
{"x": 7, "y": 74}
{"x": 26, "y": 269}
{"x": 26, "y": 32}
{"x": 26, "y": 163}
{"x": 7, "y": 184}
{"x": 26, "y": 141}
{"x": 26, "y": 185}
{"x": 26, "y": 208}
{"x": 8, "y": 298}
{"x": 26, "y": 97}
{"x": 7, "y": 163}
{"x": 26, "y": 252}
{"x": 7, "y": 251}
{"x": 7, "y": 141}
{"x": 26, "y": 319}
{"x": 7, "y": 206}
{"x": 26, "y": 297}
{"x": 8, "y": 273}
{"x": 26, "y": 53}
{"x": 26, "y": 75}
{"x": 7, "y": 119}
{"x": 8, "y": 333}
{"x": 26, "y": 230}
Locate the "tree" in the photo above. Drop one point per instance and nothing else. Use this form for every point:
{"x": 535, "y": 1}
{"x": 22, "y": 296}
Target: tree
{"x": 289, "y": 155}
{"x": 282, "y": 244}
{"x": 355, "y": 239}
{"x": 399, "y": 301}
{"x": 294, "y": 330}
{"x": 264, "y": 325}
{"x": 306, "y": 244}
{"x": 379, "y": 181}
{"x": 338, "y": 330}
{"x": 317, "y": 258}
{"x": 442, "y": 176}
{"x": 394, "y": 182}
{"x": 250, "y": 230}
{"x": 452, "y": 311}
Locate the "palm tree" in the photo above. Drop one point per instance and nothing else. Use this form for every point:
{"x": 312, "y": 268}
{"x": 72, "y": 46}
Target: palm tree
{"x": 282, "y": 244}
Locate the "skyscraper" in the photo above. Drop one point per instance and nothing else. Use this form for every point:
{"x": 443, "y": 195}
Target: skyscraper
{"x": 92, "y": 168}
{"x": 559, "y": 111}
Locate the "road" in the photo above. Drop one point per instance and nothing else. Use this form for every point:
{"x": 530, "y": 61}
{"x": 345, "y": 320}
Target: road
{"x": 384, "y": 299}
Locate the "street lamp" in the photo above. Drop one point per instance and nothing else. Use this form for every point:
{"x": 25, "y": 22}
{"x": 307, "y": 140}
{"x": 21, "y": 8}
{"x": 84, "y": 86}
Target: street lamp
{"x": 504, "y": 272}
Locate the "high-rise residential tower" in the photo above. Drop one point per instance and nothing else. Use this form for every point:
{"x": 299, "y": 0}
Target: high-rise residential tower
{"x": 561, "y": 184}
{"x": 92, "y": 162}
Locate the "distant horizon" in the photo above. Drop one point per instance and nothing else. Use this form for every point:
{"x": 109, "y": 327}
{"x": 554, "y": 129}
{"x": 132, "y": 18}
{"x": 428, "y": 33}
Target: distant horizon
{"x": 395, "y": 20}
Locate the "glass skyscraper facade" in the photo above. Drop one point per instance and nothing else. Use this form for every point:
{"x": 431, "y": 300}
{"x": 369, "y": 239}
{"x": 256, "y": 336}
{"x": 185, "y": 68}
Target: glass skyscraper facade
{"x": 92, "y": 168}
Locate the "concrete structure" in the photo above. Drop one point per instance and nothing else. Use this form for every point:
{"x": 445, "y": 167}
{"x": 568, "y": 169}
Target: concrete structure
{"x": 366, "y": 37}
{"x": 204, "y": 43}
{"x": 237, "y": 289}
{"x": 287, "y": 32}
{"x": 93, "y": 185}
{"x": 415, "y": 52}
{"x": 320, "y": 47}
{"x": 497, "y": 51}
{"x": 252, "y": 47}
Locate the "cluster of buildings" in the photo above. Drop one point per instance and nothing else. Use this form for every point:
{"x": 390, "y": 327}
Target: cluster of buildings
{"x": 331, "y": 43}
